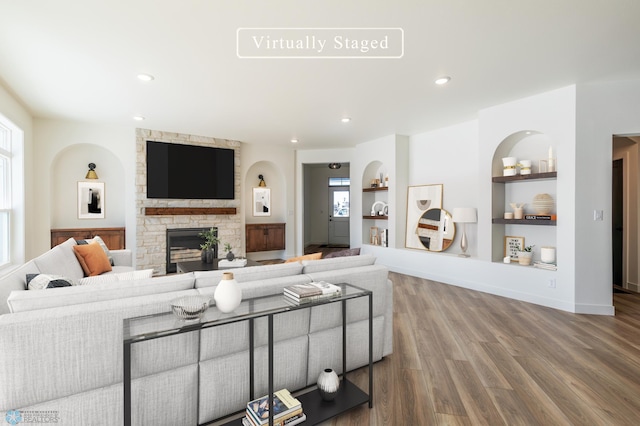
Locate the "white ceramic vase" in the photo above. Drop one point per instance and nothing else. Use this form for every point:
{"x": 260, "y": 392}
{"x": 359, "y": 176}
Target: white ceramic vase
{"x": 509, "y": 165}
{"x": 328, "y": 384}
{"x": 228, "y": 294}
{"x": 548, "y": 254}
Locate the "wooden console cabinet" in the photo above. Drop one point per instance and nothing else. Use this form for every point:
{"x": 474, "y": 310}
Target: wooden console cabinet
{"x": 112, "y": 237}
{"x": 265, "y": 236}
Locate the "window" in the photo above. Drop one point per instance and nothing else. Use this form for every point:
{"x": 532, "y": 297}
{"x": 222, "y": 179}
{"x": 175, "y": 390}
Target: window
{"x": 5, "y": 193}
{"x": 339, "y": 181}
{"x": 12, "y": 210}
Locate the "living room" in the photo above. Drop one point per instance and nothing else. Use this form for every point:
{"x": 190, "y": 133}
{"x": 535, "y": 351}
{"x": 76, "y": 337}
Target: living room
{"x": 577, "y": 113}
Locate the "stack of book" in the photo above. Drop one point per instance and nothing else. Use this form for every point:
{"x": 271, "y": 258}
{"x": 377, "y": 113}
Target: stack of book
{"x": 287, "y": 410}
{"x": 543, "y": 265}
{"x": 311, "y": 292}
{"x": 540, "y": 216}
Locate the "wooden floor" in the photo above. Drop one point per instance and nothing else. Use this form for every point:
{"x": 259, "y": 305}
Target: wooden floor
{"x": 470, "y": 358}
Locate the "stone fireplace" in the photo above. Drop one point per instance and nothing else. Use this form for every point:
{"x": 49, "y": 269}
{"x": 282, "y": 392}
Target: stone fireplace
{"x": 154, "y": 217}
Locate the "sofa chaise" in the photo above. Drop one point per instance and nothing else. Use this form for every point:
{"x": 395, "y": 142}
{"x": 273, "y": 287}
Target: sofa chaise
{"x": 62, "y": 347}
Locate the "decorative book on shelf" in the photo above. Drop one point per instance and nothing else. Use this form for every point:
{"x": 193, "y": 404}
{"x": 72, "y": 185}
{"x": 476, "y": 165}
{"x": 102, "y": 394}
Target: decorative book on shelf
{"x": 304, "y": 293}
{"x": 540, "y": 216}
{"x": 286, "y": 409}
{"x": 547, "y": 266}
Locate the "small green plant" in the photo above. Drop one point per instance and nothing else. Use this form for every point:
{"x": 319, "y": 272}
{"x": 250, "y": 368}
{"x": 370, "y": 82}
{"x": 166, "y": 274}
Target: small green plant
{"x": 528, "y": 248}
{"x": 210, "y": 239}
{"x": 227, "y": 247}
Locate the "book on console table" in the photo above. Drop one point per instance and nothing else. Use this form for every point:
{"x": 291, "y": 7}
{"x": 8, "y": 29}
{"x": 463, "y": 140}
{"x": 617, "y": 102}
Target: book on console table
{"x": 540, "y": 216}
{"x": 235, "y": 263}
{"x": 285, "y": 408}
{"x": 305, "y": 293}
{"x": 291, "y": 421}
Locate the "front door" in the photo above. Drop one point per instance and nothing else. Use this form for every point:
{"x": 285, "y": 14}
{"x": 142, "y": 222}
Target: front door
{"x": 339, "y": 216}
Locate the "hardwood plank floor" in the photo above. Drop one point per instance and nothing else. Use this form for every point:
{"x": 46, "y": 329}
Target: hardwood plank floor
{"x": 470, "y": 358}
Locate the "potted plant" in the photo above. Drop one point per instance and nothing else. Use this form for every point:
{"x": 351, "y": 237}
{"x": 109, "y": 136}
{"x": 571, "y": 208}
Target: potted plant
{"x": 211, "y": 240}
{"x": 227, "y": 249}
{"x": 525, "y": 255}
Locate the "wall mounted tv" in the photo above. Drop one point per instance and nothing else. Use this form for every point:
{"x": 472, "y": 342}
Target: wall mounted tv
{"x": 179, "y": 171}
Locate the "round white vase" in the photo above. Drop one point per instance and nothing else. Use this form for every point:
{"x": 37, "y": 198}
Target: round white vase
{"x": 328, "y": 384}
{"x": 548, "y": 254}
{"x": 228, "y": 294}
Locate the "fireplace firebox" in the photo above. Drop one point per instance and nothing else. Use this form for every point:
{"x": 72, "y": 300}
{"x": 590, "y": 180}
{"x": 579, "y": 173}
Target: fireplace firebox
{"x": 183, "y": 244}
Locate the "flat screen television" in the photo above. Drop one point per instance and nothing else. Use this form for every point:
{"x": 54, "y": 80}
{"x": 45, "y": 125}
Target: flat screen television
{"x": 178, "y": 171}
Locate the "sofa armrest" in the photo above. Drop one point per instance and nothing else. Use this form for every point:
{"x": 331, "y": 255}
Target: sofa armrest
{"x": 122, "y": 257}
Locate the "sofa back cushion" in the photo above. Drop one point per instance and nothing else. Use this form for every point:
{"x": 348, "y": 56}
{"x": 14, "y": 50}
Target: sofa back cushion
{"x": 249, "y": 273}
{"x": 336, "y": 263}
{"x": 21, "y": 301}
{"x": 60, "y": 260}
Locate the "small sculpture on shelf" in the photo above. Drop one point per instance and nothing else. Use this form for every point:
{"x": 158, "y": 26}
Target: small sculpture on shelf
{"x": 518, "y": 210}
{"x": 384, "y": 209}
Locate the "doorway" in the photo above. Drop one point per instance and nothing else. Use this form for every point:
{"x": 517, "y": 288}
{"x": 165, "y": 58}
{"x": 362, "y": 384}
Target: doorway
{"x": 339, "y": 215}
{"x": 617, "y": 221}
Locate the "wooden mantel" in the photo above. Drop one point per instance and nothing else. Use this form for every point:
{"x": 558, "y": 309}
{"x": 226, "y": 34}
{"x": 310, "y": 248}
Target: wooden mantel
{"x": 182, "y": 211}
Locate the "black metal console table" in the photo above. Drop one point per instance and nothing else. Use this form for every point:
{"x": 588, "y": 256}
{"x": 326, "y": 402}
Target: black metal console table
{"x": 144, "y": 328}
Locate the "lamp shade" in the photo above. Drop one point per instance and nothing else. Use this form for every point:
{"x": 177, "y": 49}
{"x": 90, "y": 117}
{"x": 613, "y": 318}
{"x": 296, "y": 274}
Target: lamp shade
{"x": 465, "y": 215}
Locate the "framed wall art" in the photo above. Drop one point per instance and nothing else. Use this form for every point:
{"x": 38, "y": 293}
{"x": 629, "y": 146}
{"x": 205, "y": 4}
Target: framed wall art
{"x": 261, "y": 201}
{"x": 512, "y": 245}
{"x": 90, "y": 200}
{"x": 420, "y": 199}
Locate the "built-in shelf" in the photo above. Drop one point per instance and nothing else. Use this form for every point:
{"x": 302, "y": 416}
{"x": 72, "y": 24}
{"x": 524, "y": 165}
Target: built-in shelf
{"x": 376, "y": 217}
{"x": 377, "y": 188}
{"x": 524, "y": 222}
{"x": 533, "y": 176}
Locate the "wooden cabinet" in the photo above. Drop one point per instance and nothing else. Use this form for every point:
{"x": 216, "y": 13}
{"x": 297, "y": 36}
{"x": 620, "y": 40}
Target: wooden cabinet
{"x": 265, "y": 236}
{"x": 112, "y": 237}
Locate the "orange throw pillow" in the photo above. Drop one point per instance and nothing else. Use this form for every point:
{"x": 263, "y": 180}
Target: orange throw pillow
{"x": 92, "y": 258}
{"x": 314, "y": 256}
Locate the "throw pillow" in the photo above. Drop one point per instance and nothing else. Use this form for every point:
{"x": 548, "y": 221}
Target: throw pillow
{"x": 92, "y": 258}
{"x": 42, "y": 281}
{"x": 100, "y": 241}
{"x": 342, "y": 253}
{"x": 314, "y": 256}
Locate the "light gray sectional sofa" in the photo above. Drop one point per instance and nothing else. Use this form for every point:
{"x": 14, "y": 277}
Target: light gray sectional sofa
{"x": 64, "y": 355}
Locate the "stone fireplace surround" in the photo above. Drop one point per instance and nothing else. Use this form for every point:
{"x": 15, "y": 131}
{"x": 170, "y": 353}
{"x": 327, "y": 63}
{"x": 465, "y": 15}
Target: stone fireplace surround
{"x": 151, "y": 227}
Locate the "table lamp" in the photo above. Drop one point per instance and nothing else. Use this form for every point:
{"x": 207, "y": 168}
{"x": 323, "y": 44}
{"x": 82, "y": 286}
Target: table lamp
{"x": 464, "y": 215}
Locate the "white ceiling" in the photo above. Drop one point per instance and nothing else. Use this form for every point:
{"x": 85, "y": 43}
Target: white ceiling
{"x": 78, "y": 60}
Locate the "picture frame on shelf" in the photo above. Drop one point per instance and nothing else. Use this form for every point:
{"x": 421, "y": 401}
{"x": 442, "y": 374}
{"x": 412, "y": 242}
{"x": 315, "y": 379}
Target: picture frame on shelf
{"x": 261, "y": 201}
{"x": 512, "y": 245}
{"x": 91, "y": 200}
{"x": 420, "y": 198}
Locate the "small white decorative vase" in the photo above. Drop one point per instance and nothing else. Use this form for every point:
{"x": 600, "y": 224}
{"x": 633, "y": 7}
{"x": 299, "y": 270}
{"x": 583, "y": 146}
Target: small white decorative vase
{"x": 548, "y": 254}
{"x": 509, "y": 165}
{"x": 228, "y": 294}
{"x": 525, "y": 167}
{"x": 328, "y": 384}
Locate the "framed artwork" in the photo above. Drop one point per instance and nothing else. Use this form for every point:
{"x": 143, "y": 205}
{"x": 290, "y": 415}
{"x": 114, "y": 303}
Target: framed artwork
{"x": 261, "y": 201}
{"x": 420, "y": 199}
{"x": 90, "y": 200}
{"x": 512, "y": 245}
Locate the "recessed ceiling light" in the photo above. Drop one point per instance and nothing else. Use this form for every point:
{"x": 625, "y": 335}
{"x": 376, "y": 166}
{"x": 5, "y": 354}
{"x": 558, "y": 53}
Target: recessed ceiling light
{"x": 443, "y": 80}
{"x": 138, "y": 117}
{"x": 346, "y": 119}
{"x": 145, "y": 77}
{"x": 294, "y": 140}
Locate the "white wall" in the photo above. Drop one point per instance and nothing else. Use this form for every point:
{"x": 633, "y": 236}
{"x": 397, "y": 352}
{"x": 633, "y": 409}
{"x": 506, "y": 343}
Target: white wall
{"x": 604, "y": 110}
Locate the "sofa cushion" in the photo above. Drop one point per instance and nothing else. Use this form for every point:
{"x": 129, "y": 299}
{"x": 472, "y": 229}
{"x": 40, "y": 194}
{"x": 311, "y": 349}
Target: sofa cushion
{"x": 92, "y": 258}
{"x": 335, "y": 263}
{"x": 312, "y": 256}
{"x": 101, "y": 243}
{"x": 249, "y": 273}
{"x": 118, "y": 276}
{"x": 42, "y": 281}
{"x": 60, "y": 260}
{"x": 343, "y": 253}
{"x": 20, "y": 301}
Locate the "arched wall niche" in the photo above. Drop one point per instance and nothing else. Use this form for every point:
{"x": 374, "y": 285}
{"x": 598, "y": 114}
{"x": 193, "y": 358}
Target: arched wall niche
{"x": 524, "y": 145}
{"x": 69, "y": 167}
{"x": 372, "y": 171}
{"x": 274, "y": 178}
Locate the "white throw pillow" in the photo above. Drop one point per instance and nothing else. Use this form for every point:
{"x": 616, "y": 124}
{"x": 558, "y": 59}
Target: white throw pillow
{"x": 121, "y": 276}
